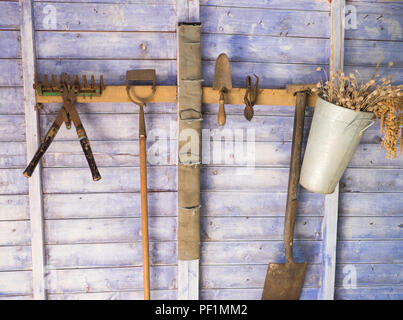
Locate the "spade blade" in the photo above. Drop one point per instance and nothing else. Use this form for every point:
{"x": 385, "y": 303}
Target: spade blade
{"x": 222, "y": 73}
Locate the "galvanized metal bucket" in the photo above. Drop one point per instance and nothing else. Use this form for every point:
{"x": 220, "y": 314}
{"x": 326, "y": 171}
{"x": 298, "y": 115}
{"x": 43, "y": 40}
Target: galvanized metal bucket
{"x": 333, "y": 138}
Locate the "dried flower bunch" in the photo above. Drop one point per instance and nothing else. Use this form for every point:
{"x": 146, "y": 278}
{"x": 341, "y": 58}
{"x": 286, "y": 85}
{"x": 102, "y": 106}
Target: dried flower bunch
{"x": 376, "y": 95}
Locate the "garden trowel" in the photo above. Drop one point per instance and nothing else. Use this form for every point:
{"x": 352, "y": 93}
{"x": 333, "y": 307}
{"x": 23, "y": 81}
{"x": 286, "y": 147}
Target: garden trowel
{"x": 223, "y": 83}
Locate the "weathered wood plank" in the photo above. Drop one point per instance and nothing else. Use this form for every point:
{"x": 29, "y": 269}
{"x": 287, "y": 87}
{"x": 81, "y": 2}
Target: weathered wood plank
{"x": 106, "y": 17}
{"x": 247, "y": 276}
{"x": 370, "y": 293}
{"x": 116, "y": 295}
{"x": 266, "y": 49}
{"x": 108, "y": 255}
{"x": 108, "y": 205}
{"x": 371, "y": 204}
{"x": 13, "y": 182}
{"x": 367, "y": 72}
{"x": 12, "y": 155}
{"x": 10, "y": 72}
{"x": 15, "y": 258}
{"x": 264, "y": 22}
{"x": 15, "y": 233}
{"x": 363, "y": 251}
{"x": 114, "y": 71}
{"x": 272, "y": 4}
{"x": 257, "y": 204}
{"x": 78, "y": 180}
{"x": 9, "y": 15}
{"x": 126, "y": 45}
{"x": 256, "y": 228}
{"x": 107, "y": 230}
{"x": 10, "y": 44}
{"x": 369, "y": 274}
{"x": 15, "y": 283}
{"x": 12, "y": 128}
{"x": 248, "y": 294}
{"x": 257, "y": 252}
{"x": 14, "y": 207}
{"x": 109, "y": 279}
{"x": 367, "y": 228}
{"x": 372, "y": 180}
{"x": 11, "y": 100}
{"x": 120, "y": 126}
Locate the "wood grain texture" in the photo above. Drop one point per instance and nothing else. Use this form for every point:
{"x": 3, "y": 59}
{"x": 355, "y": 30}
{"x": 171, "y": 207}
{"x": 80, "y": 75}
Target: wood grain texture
{"x": 9, "y": 15}
{"x": 14, "y": 207}
{"x": 15, "y": 283}
{"x": 370, "y": 293}
{"x": 15, "y": 258}
{"x": 10, "y": 72}
{"x": 248, "y": 294}
{"x": 116, "y": 295}
{"x": 10, "y": 44}
{"x": 11, "y": 101}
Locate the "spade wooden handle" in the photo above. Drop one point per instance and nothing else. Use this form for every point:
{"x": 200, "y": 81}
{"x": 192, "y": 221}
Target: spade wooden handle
{"x": 221, "y": 110}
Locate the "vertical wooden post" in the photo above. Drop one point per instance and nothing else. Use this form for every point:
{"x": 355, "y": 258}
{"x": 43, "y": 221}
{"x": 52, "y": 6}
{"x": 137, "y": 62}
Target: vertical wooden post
{"x": 331, "y": 208}
{"x": 189, "y": 118}
{"x": 32, "y": 142}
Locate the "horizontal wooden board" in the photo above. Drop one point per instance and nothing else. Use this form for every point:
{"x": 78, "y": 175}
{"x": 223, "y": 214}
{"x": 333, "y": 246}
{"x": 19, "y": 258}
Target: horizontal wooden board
{"x": 12, "y": 128}
{"x": 252, "y": 228}
{"x": 257, "y": 252}
{"x": 13, "y": 154}
{"x": 15, "y": 233}
{"x": 362, "y": 251}
{"x": 114, "y": 71}
{"x": 369, "y": 274}
{"x": 15, "y": 283}
{"x": 9, "y": 15}
{"x": 10, "y": 44}
{"x": 108, "y": 230}
{"x": 249, "y": 294}
{"x": 122, "y": 45}
{"x": 116, "y": 295}
{"x": 264, "y": 22}
{"x": 266, "y": 48}
{"x": 108, "y": 255}
{"x": 10, "y": 72}
{"x": 371, "y": 204}
{"x": 15, "y": 258}
{"x": 370, "y": 293}
{"x": 108, "y": 279}
{"x": 108, "y": 205}
{"x": 11, "y": 100}
{"x": 124, "y": 179}
{"x": 391, "y": 51}
{"x": 367, "y": 72}
{"x": 247, "y": 276}
{"x": 355, "y": 228}
{"x": 13, "y": 182}
{"x": 14, "y": 207}
{"x": 232, "y": 204}
{"x": 273, "y": 4}
{"x": 106, "y": 17}
{"x": 372, "y": 180}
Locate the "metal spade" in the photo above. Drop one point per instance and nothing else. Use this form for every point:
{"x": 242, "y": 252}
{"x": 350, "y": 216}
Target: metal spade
{"x": 284, "y": 281}
{"x": 223, "y": 83}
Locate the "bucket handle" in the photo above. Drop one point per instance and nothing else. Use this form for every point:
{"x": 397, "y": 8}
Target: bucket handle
{"x": 362, "y": 130}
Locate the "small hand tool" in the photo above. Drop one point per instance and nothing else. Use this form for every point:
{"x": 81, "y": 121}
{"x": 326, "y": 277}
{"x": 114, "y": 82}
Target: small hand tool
{"x": 250, "y": 97}
{"x": 223, "y": 83}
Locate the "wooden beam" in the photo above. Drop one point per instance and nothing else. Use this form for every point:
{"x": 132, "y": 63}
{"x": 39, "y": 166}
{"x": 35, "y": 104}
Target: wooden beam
{"x": 268, "y": 97}
{"x": 32, "y": 141}
{"x": 331, "y": 208}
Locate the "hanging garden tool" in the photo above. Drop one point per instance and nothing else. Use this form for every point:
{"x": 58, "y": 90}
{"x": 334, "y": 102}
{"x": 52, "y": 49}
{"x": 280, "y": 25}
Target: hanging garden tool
{"x": 284, "y": 281}
{"x": 145, "y": 75}
{"x": 250, "y": 97}
{"x": 223, "y": 83}
{"x": 68, "y": 91}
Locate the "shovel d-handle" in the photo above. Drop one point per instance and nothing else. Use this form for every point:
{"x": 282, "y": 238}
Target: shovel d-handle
{"x": 221, "y": 117}
{"x": 293, "y": 180}
{"x": 50, "y": 135}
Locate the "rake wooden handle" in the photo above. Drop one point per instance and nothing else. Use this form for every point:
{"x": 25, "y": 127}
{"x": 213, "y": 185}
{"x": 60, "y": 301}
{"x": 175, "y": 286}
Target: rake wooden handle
{"x": 144, "y": 204}
{"x": 50, "y": 135}
{"x": 221, "y": 118}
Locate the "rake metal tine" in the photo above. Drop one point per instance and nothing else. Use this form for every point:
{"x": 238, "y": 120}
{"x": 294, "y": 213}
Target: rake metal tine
{"x": 45, "y": 82}
{"x": 92, "y": 82}
{"x": 84, "y": 82}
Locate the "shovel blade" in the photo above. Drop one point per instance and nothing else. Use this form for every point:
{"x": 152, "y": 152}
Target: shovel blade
{"x": 284, "y": 281}
{"x": 222, "y": 73}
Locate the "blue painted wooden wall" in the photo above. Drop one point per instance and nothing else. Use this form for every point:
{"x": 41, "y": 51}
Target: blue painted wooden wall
{"x": 92, "y": 230}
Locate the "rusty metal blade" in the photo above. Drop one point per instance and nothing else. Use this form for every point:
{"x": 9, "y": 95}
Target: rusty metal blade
{"x": 284, "y": 281}
{"x": 222, "y": 73}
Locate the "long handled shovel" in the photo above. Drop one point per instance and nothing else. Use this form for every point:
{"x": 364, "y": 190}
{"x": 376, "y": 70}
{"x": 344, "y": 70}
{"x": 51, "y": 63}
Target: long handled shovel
{"x": 143, "y": 75}
{"x": 284, "y": 281}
